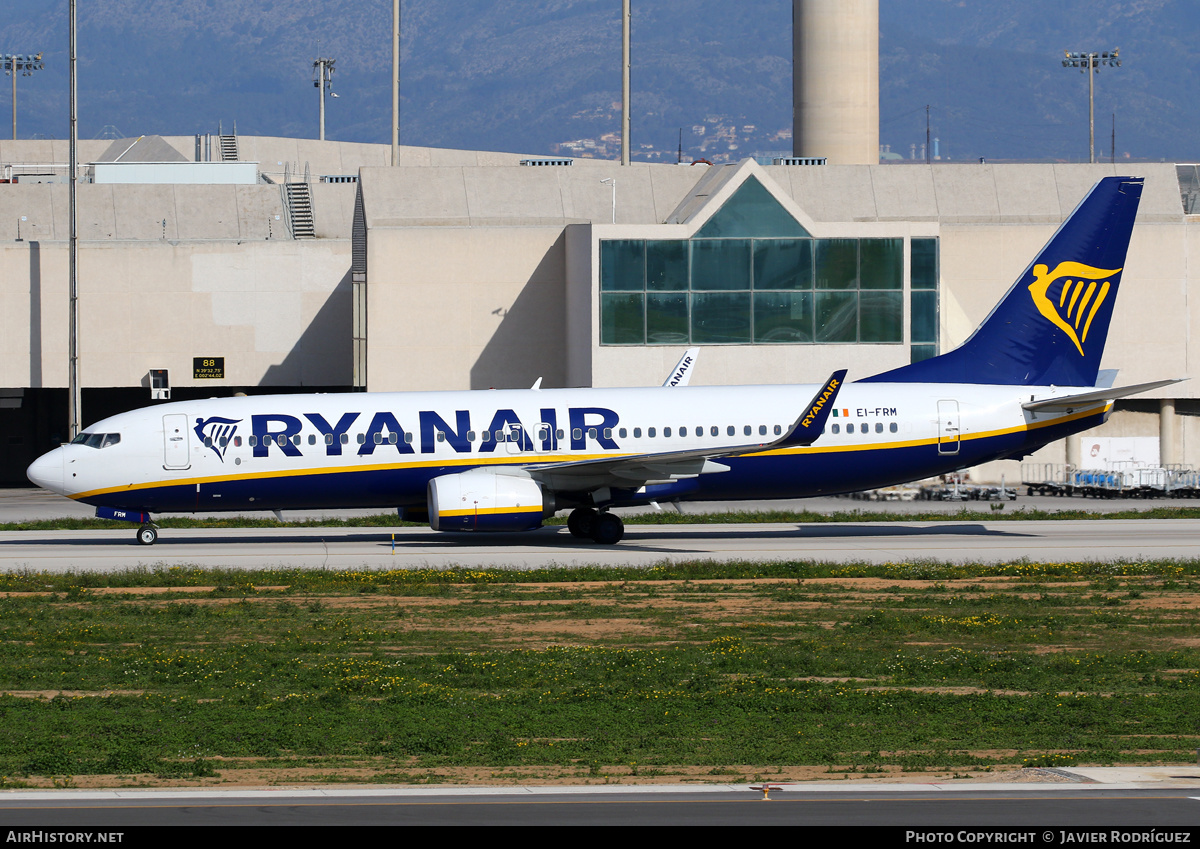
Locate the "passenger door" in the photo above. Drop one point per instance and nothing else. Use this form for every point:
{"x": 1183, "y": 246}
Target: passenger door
{"x": 176, "y": 450}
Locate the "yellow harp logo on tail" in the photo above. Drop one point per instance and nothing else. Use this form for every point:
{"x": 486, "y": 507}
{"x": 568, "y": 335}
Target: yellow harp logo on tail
{"x": 1083, "y": 290}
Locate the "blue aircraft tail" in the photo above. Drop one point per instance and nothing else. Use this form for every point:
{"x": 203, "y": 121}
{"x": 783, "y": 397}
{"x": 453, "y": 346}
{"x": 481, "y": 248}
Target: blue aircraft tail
{"x": 1052, "y": 325}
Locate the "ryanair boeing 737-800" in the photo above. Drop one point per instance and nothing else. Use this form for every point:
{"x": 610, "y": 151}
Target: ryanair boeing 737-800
{"x": 505, "y": 460}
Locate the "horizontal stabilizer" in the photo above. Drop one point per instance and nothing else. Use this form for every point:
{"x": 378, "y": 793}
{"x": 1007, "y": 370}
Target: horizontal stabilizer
{"x": 1070, "y": 403}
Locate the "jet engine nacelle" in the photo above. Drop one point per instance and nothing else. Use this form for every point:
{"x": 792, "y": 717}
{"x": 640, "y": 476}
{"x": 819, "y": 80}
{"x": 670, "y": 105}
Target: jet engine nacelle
{"x": 482, "y": 500}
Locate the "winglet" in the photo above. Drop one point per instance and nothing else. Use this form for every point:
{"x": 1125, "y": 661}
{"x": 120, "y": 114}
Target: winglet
{"x": 811, "y": 423}
{"x": 682, "y": 373}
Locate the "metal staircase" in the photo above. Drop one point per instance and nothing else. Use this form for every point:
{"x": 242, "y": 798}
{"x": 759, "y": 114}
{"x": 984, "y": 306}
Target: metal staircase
{"x": 228, "y": 147}
{"x": 300, "y": 211}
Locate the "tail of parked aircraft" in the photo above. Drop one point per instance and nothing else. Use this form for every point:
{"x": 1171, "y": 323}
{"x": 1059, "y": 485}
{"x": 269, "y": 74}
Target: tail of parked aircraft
{"x": 1051, "y": 327}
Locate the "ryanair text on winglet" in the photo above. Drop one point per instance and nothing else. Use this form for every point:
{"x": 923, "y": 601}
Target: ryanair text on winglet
{"x": 830, "y": 390}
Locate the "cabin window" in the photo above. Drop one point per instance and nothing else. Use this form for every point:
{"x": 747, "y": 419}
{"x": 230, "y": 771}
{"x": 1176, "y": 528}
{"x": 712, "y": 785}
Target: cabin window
{"x": 778, "y": 430}
{"x": 762, "y": 430}
{"x": 730, "y": 431}
{"x": 295, "y": 439}
{"x": 237, "y": 441}
{"x": 329, "y": 438}
{"x": 577, "y": 433}
{"x": 312, "y": 439}
{"x": 714, "y": 431}
{"x": 393, "y": 438}
{"x": 252, "y": 441}
{"x": 637, "y": 433}
{"x": 650, "y": 432}
{"x": 441, "y": 436}
{"x": 747, "y": 430}
{"x": 207, "y": 442}
{"x": 879, "y": 427}
{"x": 499, "y": 436}
{"x": 623, "y": 433}
{"x": 892, "y": 427}
{"x": 346, "y": 439}
{"x": 608, "y": 433}
{"x": 408, "y": 437}
{"x": 837, "y": 429}
{"x": 666, "y": 433}
{"x": 362, "y": 438}
{"x": 591, "y": 433}
{"x": 559, "y": 433}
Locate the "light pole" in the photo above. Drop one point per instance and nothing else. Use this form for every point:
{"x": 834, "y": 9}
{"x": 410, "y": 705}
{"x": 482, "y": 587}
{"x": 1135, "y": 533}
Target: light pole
{"x": 26, "y": 65}
{"x": 323, "y": 79}
{"x": 1086, "y": 62}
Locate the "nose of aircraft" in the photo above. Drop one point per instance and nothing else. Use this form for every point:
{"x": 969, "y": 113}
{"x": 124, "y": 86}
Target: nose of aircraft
{"x": 47, "y": 471}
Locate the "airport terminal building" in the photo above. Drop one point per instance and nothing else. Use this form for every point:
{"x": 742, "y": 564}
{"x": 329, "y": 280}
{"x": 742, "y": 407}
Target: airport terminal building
{"x": 269, "y": 265}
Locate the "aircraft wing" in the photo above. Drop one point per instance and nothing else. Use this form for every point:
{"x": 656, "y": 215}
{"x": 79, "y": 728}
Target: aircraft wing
{"x": 676, "y": 465}
{"x": 1070, "y": 403}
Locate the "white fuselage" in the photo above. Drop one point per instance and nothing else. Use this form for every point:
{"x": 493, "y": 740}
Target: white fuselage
{"x": 298, "y": 451}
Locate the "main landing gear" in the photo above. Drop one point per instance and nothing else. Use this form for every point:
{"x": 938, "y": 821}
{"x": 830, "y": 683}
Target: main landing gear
{"x": 601, "y": 527}
{"x": 147, "y": 534}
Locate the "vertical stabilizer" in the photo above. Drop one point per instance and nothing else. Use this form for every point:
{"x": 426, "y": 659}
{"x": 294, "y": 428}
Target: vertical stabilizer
{"x": 1052, "y": 325}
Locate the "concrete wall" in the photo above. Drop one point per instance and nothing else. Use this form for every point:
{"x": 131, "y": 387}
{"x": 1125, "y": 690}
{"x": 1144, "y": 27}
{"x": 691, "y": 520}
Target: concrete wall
{"x": 466, "y": 308}
{"x": 277, "y": 311}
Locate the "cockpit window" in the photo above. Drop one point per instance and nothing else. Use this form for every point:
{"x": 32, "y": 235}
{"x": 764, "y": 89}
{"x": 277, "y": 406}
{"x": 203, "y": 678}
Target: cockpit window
{"x": 97, "y": 440}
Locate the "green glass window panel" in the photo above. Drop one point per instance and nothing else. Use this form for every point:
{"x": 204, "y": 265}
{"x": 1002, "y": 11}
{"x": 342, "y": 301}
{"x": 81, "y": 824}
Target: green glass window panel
{"x": 622, "y": 319}
{"x": 721, "y": 265}
{"x": 667, "y": 265}
{"x": 924, "y": 317}
{"x": 880, "y": 316}
{"x": 916, "y": 353}
{"x": 783, "y": 264}
{"x": 836, "y": 263}
{"x": 667, "y": 319}
{"x": 923, "y": 263}
{"x": 882, "y": 263}
{"x": 751, "y": 211}
{"x": 783, "y": 316}
{"x": 836, "y": 316}
{"x": 720, "y": 317}
{"x": 622, "y": 265}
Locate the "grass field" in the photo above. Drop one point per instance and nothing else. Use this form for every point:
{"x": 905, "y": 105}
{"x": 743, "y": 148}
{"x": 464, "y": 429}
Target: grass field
{"x": 683, "y": 672}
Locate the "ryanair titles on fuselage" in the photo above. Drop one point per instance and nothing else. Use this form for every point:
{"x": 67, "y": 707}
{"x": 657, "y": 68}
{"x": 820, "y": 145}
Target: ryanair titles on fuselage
{"x": 281, "y": 430}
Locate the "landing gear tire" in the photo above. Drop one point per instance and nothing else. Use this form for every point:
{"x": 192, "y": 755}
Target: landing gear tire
{"x": 582, "y": 522}
{"x": 147, "y": 534}
{"x": 608, "y": 530}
